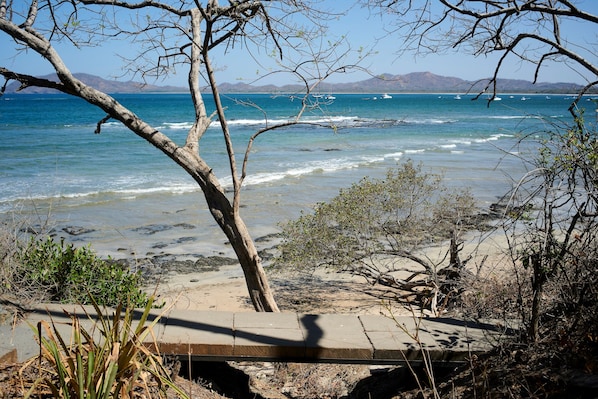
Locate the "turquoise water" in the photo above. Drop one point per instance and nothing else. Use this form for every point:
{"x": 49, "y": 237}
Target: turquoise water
{"x": 113, "y": 183}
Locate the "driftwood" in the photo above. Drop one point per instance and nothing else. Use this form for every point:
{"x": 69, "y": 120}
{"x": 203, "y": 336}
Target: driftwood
{"x": 435, "y": 288}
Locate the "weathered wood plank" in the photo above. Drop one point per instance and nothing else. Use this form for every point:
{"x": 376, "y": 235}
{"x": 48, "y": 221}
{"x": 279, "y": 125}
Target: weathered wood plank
{"x": 291, "y": 337}
{"x": 334, "y": 336}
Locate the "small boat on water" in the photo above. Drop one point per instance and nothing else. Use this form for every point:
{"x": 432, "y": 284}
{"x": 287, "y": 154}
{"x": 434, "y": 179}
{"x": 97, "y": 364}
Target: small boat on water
{"x": 457, "y": 97}
{"x": 386, "y": 96}
{"x": 323, "y": 96}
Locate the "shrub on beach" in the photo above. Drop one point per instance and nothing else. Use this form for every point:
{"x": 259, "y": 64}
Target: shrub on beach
{"x": 380, "y": 228}
{"x": 61, "y": 272}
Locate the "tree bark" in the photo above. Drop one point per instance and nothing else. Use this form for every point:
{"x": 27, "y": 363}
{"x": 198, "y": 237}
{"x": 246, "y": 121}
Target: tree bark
{"x": 233, "y": 226}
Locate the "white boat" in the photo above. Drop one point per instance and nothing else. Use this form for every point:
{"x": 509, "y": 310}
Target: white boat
{"x": 386, "y": 96}
{"x": 330, "y": 97}
{"x": 496, "y": 98}
{"x": 457, "y": 97}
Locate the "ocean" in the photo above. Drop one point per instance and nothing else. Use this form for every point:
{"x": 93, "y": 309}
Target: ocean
{"x": 116, "y": 192}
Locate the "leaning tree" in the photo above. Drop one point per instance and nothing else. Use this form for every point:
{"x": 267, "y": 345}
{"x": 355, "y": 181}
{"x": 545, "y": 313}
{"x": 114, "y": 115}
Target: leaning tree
{"x": 183, "y": 35}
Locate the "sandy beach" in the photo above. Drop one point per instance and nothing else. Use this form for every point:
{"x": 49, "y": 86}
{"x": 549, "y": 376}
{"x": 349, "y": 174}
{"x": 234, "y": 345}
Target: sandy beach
{"x": 223, "y": 288}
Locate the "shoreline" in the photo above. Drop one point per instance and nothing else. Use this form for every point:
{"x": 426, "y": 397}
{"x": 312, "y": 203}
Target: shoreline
{"x": 193, "y": 267}
{"x": 198, "y": 280}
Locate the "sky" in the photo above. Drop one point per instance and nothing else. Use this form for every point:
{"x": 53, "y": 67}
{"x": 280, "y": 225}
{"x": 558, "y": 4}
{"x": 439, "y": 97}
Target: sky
{"x": 361, "y": 29}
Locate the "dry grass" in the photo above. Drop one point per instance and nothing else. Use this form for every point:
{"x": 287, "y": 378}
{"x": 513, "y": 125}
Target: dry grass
{"x": 16, "y": 380}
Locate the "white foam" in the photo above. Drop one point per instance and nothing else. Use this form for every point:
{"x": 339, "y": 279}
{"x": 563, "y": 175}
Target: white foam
{"x": 177, "y": 125}
{"x": 338, "y": 121}
{"x": 507, "y": 117}
{"x": 462, "y": 142}
{"x": 493, "y": 137}
{"x": 394, "y": 155}
{"x": 428, "y": 121}
{"x": 293, "y": 171}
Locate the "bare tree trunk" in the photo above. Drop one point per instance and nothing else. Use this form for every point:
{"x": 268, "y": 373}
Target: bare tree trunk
{"x": 226, "y": 214}
{"x": 221, "y": 208}
{"x": 534, "y": 324}
{"x": 233, "y": 226}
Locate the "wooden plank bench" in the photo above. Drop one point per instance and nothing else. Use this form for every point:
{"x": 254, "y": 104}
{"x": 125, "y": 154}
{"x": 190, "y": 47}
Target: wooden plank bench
{"x": 295, "y": 337}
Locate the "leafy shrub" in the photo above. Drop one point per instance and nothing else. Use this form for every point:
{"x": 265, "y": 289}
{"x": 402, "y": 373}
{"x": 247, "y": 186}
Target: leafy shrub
{"x": 378, "y": 228}
{"x": 70, "y": 274}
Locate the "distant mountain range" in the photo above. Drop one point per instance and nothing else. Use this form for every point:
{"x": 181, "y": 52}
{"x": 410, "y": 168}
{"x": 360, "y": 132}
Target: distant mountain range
{"x": 416, "y": 82}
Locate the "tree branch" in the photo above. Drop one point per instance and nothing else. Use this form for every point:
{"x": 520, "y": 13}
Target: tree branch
{"x": 32, "y": 14}
{"x": 138, "y": 5}
{"x": 29, "y": 81}
{"x": 201, "y": 121}
{"x": 100, "y": 123}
